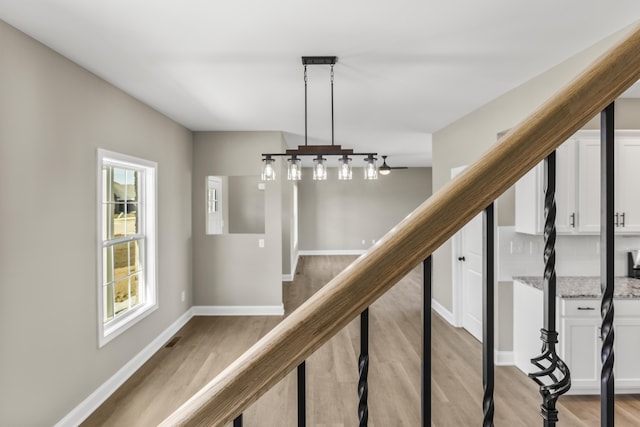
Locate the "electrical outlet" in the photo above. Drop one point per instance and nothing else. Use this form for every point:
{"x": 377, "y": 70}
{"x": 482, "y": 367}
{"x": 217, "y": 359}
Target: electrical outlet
{"x": 261, "y": 243}
{"x": 364, "y": 242}
{"x": 182, "y": 296}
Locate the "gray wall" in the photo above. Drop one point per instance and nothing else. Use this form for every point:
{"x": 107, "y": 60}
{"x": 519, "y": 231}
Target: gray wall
{"x": 339, "y": 215}
{"x": 54, "y": 116}
{"x": 463, "y": 141}
{"x": 246, "y": 205}
{"x": 218, "y": 277}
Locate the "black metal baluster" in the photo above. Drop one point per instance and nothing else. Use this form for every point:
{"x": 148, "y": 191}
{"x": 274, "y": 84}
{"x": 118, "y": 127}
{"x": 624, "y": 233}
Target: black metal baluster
{"x": 426, "y": 344}
{"x": 238, "y": 421}
{"x": 553, "y": 378}
{"x": 607, "y": 391}
{"x": 302, "y": 400}
{"x": 487, "y": 317}
{"x": 363, "y": 369}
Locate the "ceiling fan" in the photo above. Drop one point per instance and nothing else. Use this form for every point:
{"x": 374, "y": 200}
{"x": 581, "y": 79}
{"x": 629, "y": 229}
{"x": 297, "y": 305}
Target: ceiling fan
{"x": 385, "y": 169}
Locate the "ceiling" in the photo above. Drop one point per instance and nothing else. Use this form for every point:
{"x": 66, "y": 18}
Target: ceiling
{"x": 405, "y": 69}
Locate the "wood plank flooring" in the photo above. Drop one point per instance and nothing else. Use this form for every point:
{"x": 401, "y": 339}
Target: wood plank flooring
{"x": 208, "y": 344}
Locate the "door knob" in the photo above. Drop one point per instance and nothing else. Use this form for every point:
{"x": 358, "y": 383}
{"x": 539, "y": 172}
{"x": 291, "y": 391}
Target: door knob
{"x": 461, "y": 258}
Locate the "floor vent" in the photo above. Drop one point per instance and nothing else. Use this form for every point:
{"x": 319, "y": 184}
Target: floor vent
{"x": 172, "y": 342}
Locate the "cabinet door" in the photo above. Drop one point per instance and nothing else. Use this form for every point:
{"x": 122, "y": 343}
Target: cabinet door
{"x": 565, "y": 188}
{"x": 588, "y": 217}
{"x": 530, "y": 202}
{"x": 530, "y": 194}
{"x": 580, "y": 349}
{"x": 626, "y": 181}
{"x": 627, "y": 354}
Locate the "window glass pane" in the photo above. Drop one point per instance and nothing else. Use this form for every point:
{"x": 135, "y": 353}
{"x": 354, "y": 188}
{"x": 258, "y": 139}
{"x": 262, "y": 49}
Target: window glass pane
{"x": 119, "y": 181}
{"x": 131, "y": 218}
{"x": 107, "y": 265}
{"x": 117, "y": 219}
{"x": 121, "y": 258}
{"x": 132, "y": 180}
{"x": 134, "y": 294}
{"x": 135, "y": 256}
{"x": 121, "y": 296}
{"x": 108, "y": 302}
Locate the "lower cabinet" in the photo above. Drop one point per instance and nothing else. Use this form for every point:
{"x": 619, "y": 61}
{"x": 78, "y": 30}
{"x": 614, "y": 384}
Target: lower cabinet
{"x": 579, "y": 338}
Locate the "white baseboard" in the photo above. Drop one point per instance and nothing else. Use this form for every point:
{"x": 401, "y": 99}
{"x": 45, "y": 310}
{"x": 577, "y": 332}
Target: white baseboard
{"x": 334, "y": 252}
{"x": 443, "y": 312}
{"x": 504, "y": 358}
{"x": 294, "y": 266}
{"x": 238, "y": 310}
{"x": 102, "y": 393}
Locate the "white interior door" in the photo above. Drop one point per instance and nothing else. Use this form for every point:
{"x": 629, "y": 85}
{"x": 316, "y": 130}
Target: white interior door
{"x": 470, "y": 259}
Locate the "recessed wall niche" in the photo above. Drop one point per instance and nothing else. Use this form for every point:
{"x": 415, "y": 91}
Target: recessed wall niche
{"x": 235, "y": 205}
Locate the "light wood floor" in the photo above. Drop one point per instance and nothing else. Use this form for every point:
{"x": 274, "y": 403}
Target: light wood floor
{"x": 208, "y": 344}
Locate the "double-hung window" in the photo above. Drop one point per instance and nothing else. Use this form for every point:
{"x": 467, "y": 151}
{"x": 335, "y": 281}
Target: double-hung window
{"x": 127, "y": 289}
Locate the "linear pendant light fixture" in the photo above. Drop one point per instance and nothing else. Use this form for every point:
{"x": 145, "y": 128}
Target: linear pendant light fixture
{"x": 294, "y": 169}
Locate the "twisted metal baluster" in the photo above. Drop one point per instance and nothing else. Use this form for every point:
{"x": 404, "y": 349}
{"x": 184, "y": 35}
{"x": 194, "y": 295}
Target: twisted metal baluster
{"x": 488, "y": 317}
{"x": 607, "y": 389}
{"x": 302, "y": 394}
{"x": 426, "y": 344}
{"x": 363, "y": 369}
{"x": 553, "y": 378}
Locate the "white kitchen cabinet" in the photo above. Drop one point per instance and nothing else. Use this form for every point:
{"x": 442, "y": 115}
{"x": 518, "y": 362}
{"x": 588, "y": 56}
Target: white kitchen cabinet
{"x": 578, "y": 187}
{"x": 580, "y": 343}
{"x": 627, "y": 175}
{"x": 580, "y": 349}
{"x": 579, "y": 324}
{"x": 626, "y": 347}
{"x": 588, "y": 218}
{"x": 530, "y": 194}
{"x": 627, "y": 204}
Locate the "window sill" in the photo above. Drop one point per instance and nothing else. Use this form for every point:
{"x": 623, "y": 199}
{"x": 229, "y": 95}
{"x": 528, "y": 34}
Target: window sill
{"x": 118, "y": 326}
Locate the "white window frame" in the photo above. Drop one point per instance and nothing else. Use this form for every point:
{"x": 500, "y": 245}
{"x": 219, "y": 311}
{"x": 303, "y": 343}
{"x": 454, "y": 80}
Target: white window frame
{"x": 147, "y": 199}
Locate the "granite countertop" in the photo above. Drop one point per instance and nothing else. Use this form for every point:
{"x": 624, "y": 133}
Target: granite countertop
{"x": 586, "y": 287}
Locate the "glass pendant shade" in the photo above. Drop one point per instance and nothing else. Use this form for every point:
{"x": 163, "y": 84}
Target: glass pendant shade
{"x": 319, "y": 169}
{"x": 294, "y": 172}
{"x": 344, "y": 168}
{"x": 268, "y": 169}
{"x": 370, "y": 169}
{"x": 384, "y": 169}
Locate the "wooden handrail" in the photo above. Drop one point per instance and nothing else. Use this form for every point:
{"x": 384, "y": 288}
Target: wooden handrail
{"x": 415, "y": 238}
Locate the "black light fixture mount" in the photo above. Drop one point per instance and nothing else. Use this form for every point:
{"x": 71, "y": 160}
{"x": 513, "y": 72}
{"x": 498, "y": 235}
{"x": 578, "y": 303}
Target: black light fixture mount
{"x": 317, "y": 151}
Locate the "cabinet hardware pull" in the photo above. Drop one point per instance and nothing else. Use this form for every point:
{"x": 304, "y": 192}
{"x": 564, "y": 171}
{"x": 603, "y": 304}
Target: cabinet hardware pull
{"x": 616, "y": 221}
{"x": 461, "y": 258}
{"x": 622, "y": 219}
{"x": 586, "y": 308}
{"x": 573, "y": 220}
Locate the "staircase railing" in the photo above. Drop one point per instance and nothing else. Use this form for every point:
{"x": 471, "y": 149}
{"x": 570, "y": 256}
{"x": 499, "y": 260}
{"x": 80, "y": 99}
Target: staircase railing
{"x": 413, "y": 240}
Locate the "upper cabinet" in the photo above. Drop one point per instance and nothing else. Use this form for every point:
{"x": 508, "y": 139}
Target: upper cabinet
{"x": 578, "y": 187}
{"x": 627, "y": 201}
{"x": 530, "y": 194}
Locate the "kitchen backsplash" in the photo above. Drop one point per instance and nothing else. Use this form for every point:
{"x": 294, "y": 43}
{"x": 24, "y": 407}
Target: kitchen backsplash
{"x": 521, "y": 254}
